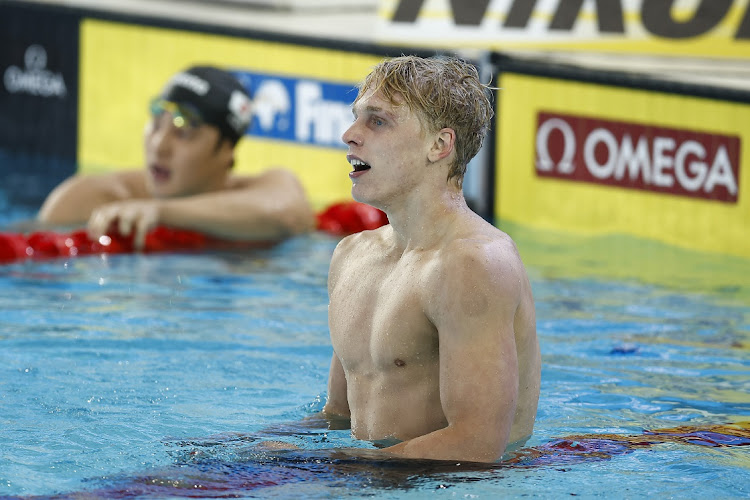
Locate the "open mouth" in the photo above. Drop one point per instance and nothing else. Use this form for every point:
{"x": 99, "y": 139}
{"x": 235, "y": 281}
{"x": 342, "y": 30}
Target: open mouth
{"x": 359, "y": 165}
{"x": 160, "y": 174}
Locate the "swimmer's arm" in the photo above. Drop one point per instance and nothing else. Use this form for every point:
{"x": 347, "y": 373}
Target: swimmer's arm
{"x": 268, "y": 207}
{"x": 73, "y": 200}
{"x": 337, "y": 404}
{"x": 271, "y": 206}
{"x": 473, "y": 308}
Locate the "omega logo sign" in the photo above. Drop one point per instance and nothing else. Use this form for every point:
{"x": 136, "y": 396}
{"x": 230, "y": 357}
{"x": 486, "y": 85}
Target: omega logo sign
{"x": 636, "y": 156}
{"x": 35, "y": 79}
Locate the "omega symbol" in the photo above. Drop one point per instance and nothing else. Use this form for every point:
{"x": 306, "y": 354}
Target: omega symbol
{"x": 544, "y": 161}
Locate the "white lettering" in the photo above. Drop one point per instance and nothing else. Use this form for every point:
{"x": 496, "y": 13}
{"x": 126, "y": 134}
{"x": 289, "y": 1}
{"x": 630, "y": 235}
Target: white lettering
{"x": 698, "y": 169}
{"x": 318, "y": 120}
{"x": 35, "y": 79}
{"x": 658, "y": 162}
{"x": 662, "y": 145}
{"x": 607, "y": 138}
{"x": 636, "y": 161}
{"x": 544, "y": 162}
{"x": 721, "y": 173}
{"x": 191, "y": 82}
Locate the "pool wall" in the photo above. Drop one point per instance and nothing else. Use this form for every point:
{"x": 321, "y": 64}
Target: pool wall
{"x": 606, "y": 152}
{"x": 574, "y": 148}
{"x": 38, "y": 101}
{"x": 302, "y": 96}
{"x": 110, "y": 65}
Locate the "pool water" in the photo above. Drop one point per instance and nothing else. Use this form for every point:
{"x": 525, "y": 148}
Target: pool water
{"x": 156, "y": 376}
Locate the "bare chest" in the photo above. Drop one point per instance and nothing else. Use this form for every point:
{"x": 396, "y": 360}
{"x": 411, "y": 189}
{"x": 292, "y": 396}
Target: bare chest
{"x": 377, "y": 319}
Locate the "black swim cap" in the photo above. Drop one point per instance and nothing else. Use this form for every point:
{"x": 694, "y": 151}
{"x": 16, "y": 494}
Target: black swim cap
{"x": 218, "y": 96}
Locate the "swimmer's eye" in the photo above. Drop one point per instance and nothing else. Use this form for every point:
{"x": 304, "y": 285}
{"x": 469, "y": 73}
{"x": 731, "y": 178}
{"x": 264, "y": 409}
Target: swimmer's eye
{"x": 375, "y": 121}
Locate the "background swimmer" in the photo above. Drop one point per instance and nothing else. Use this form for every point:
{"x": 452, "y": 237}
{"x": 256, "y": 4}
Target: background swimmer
{"x": 188, "y": 183}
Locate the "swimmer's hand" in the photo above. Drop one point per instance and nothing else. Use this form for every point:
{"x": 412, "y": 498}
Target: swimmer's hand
{"x": 275, "y": 446}
{"x": 130, "y": 217}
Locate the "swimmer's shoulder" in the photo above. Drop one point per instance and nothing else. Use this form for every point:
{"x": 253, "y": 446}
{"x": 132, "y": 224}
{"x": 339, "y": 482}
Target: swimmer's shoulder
{"x": 372, "y": 239}
{"x": 129, "y": 184}
{"x": 72, "y": 201}
{"x": 107, "y": 186}
{"x": 367, "y": 242}
{"x": 480, "y": 237}
{"x": 350, "y": 251}
{"x": 115, "y": 185}
{"x": 484, "y": 253}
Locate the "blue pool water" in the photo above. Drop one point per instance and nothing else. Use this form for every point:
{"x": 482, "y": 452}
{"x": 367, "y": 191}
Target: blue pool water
{"x": 155, "y": 375}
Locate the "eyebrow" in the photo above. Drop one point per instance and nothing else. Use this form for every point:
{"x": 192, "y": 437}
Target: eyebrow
{"x": 376, "y": 110}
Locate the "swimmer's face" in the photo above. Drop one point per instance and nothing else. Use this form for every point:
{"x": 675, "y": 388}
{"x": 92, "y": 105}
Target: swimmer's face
{"x": 183, "y": 155}
{"x": 387, "y": 147}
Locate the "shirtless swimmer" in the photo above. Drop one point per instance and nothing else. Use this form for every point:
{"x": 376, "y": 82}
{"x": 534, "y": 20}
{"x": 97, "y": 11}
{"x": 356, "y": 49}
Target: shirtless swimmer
{"x": 432, "y": 317}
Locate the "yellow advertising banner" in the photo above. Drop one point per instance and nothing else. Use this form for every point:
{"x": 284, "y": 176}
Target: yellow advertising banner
{"x": 700, "y": 28}
{"x": 302, "y": 98}
{"x": 598, "y": 159}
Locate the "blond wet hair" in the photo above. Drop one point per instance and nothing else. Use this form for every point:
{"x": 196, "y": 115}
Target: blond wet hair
{"x": 444, "y": 92}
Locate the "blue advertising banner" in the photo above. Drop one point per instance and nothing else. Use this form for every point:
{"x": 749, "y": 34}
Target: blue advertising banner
{"x": 300, "y": 110}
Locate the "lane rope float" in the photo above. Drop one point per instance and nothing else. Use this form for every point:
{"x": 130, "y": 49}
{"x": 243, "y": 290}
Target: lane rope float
{"x": 339, "y": 219}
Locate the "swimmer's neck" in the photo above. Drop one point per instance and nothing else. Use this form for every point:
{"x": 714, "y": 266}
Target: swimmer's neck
{"x": 434, "y": 222}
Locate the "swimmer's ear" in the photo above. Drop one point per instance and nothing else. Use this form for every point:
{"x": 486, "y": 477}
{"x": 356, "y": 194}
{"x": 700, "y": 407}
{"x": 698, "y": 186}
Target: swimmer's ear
{"x": 227, "y": 149}
{"x": 445, "y": 142}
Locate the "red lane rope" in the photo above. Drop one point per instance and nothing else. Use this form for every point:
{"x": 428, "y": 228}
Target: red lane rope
{"x": 350, "y": 217}
{"x": 339, "y": 219}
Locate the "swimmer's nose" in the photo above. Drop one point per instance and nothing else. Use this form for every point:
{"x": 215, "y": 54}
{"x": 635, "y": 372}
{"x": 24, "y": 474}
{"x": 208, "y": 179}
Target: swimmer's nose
{"x": 351, "y": 136}
{"x": 159, "y": 140}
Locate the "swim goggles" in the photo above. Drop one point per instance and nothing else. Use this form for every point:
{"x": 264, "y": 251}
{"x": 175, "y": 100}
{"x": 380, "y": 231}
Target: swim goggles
{"x": 183, "y": 115}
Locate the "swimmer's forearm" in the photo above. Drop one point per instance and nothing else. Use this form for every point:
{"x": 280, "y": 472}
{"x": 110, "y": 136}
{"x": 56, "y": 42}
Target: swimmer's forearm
{"x": 232, "y": 217}
{"x": 316, "y": 421}
{"x": 449, "y": 444}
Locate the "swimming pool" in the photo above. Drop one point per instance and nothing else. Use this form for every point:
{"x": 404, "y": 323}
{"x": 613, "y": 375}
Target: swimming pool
{"x": 149, "y": 375}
